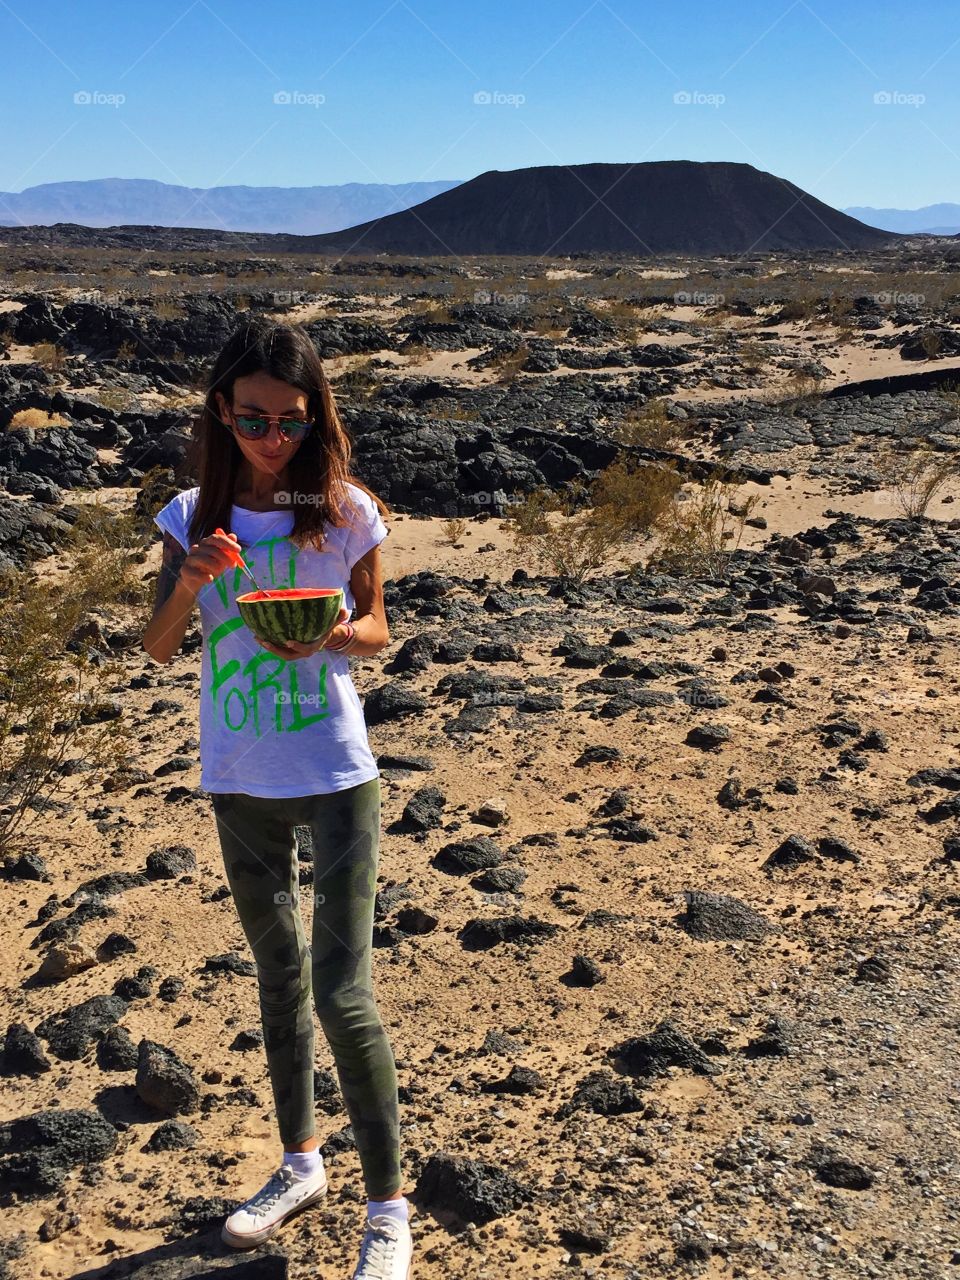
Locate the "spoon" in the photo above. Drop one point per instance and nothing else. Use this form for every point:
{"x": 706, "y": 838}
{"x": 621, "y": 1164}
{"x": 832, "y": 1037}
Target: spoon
{"x": 242, "y": 564}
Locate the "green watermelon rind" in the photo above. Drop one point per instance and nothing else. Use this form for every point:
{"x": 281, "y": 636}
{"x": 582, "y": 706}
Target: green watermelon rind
{"x": 280, "y": 620}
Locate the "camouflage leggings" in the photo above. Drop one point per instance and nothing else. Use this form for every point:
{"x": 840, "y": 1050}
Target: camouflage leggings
{"x": 259, "y": 851}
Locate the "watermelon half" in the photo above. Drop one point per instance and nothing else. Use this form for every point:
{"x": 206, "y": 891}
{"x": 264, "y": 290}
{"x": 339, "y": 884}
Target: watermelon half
{"x": 296, "y": 613}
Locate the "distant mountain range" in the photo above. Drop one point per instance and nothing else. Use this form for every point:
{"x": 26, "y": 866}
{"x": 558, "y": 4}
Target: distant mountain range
{"x": 660, "y": 206}
{"x": 113, "y": 202}
{"x": 657, "y": 207}
{"x": 932, "y": 219}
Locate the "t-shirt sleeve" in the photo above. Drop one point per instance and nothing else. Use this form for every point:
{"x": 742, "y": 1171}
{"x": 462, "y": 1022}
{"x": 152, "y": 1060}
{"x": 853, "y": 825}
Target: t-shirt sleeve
{"x": 367, "y": 529}
{"x": 173, "y": 519}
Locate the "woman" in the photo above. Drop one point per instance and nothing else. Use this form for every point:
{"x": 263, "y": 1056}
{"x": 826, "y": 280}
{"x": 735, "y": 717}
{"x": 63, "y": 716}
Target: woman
{"x": 283, "y": 742}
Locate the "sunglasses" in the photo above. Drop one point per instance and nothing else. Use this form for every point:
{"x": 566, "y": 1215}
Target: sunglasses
{"x": 256, "y": 427}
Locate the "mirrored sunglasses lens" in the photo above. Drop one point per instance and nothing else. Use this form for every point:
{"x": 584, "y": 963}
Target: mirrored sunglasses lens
{"x": 252, "y": 426}
{"x": 295, "y": 430}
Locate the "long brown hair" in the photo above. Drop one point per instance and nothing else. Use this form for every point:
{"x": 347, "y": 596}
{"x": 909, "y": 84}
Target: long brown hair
{"x": 319, "y": 467}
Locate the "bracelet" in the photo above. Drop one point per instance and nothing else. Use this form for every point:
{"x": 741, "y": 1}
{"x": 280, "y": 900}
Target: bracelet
{"x": 344, "y": 644}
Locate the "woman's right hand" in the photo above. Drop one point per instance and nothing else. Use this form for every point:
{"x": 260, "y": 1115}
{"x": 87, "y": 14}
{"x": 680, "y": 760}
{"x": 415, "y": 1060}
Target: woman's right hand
{"x": 207, "y": 559}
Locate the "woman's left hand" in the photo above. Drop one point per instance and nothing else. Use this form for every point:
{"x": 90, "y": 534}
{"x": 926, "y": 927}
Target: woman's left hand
{"x": 293, "y": 649}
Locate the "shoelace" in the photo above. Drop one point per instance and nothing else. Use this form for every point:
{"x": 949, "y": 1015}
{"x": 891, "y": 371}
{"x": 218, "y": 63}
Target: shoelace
{"x": 264, "y": 1200}
{"x": 378, "y": 1247}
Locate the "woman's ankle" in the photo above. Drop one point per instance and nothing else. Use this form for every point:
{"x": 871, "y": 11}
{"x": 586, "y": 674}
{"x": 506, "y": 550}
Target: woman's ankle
{"x": 308, "y": 1144}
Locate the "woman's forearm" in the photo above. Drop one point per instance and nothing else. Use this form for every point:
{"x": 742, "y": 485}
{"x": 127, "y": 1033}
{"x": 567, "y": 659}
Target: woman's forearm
{"x": 166, "y": 629}
{"x": 370, "y": 636}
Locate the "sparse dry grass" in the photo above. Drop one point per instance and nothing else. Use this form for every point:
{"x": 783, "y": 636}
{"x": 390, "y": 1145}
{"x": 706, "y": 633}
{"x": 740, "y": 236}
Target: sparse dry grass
{"x": 37, "y": 419}
{"x": 116, "y": 399}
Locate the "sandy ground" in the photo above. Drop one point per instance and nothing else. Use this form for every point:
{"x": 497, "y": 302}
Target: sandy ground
{"x": 875, "y": 1065}
{"x": 432, "y": 992}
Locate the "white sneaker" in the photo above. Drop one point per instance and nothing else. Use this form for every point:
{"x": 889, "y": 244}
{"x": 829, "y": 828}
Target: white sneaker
{"x": 386, "y": 1252}
{"x": 260, "y": 1216}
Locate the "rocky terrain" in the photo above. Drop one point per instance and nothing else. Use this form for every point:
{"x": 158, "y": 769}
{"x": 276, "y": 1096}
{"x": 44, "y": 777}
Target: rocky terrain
{"x": 666, "y": 934}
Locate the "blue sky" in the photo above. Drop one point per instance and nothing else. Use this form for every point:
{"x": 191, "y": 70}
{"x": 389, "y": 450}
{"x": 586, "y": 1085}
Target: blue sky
{"x": 385, "y": 90}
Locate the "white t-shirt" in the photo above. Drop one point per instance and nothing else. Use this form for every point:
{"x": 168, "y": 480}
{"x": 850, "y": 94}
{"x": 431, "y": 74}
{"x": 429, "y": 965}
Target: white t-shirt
{"x": 269, "y": 727}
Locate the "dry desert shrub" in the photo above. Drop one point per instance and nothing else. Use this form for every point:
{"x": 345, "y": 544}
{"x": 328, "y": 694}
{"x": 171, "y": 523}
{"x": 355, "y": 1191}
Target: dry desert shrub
{"x": 104, "y": 546}
{"x": 436, "y": 310}
{"x": 54, "y": 688}
{"x": 699, "y": 532}
{"x": 914, "y": 471}
{"x": 754, "y": 356}
{"x": 508, "y": 364}
{"x": 931, "y": 342}
{"x": 360, "y": 381}
{"x": 803, "y": 307}
{"x": 545, "y": 327}
{"x": 648, "y": 426}
{"x": 563, "y": 537}
{"x": 632, "y": 496}
{"x": 800, "y": 390}
{"x": 629, "y": 318}
{"x": 453, "y": 529}
{"x": 416, "y": 352}
{"x": 50, "y": 356}
{"x": 839, "y": 307}
{"x": 167, "y": 308}
{"x": 573, "y": 545}
{"x": 50, "y": 700}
